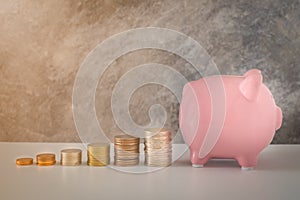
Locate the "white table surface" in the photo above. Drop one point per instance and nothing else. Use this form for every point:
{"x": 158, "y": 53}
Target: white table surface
{"x": 277, "y": 176}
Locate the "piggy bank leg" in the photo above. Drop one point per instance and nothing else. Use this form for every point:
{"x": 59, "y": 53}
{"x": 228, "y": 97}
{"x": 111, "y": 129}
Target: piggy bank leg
{"x": 247, "y": 162}
{"x": 196, "y": 162}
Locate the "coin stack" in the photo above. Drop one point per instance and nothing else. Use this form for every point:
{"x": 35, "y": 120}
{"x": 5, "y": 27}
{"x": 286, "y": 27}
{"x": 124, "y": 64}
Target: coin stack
{"x": 45, "y": 159}
{"x": 158, "y": 147}
{"x": 98, "y": 154}
{"x": 24, "y": 161}
{"x": 126, "y": 150}
{"x": 70, "y": 157}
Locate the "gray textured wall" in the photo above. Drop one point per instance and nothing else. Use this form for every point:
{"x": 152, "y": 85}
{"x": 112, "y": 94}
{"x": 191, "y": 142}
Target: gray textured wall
{"x": 43, "y": 43}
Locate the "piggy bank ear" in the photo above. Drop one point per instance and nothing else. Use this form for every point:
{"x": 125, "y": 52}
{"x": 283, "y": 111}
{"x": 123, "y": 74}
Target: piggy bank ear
{"x": 250, "y": 86}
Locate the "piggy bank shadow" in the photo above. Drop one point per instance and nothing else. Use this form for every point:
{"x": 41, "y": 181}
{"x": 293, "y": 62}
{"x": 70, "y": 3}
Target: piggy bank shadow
{"x": 279, "y": 158}
{"x": 273, "y": 158}
{"x": 222, "y": 163}
{"x": 212, "y": 163}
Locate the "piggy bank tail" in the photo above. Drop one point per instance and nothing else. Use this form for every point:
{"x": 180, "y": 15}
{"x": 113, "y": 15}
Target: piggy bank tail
{"x": 278, "y": 118}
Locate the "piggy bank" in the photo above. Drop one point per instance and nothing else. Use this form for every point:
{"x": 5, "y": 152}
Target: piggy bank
{"x": 228, "y": 117}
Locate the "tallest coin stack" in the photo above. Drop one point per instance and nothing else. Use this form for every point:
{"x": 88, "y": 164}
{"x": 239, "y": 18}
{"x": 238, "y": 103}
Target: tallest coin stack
{"x": 158, "y": 147}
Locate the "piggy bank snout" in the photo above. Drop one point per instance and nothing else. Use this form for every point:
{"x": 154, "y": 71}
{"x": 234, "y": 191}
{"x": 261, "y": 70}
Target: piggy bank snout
{"x": 278, "y": 118}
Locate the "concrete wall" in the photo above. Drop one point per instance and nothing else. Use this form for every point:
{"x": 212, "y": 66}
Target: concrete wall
{"x": 43, "y": 43}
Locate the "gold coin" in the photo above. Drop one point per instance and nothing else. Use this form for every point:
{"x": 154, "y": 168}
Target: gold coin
{"x": 71, "y": 151}
{"x": 126, "y": 162}
{"x": 96, "y": 164}
{"x": 127, "y": 143}
{"x": 127, "y": 148}
{"x": 126, "y": 139}
{"x": 158, "y": 139}
{"x": 24, "y": 161}
{"x": 150, "y": 132}
{"x": 98, "y": 146}
{"x": 126, "y": 152}
{"x": 45, "y": 156}
{"x": 46, "y": 163}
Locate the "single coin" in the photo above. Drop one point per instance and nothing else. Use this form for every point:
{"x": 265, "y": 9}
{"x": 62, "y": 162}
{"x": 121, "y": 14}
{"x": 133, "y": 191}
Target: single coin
{"x": 126, "y": 139}
{"x": 99, "y": 144}
{"x": 127, "y": 148}
{"x": 46, "y": 163}
{"x": 126, "y": 162}
{"x": 24, "y": 161}
{"x": 46, "y": 156}
{"x": 71, "y": 151}
{"x": 151, "y": 132}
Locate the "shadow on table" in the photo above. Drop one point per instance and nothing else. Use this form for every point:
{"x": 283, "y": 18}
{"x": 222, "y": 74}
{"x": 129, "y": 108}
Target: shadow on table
{"x": 213, "y": 163}
{"x": 280, "y": 159}
{"x": 274, "y": 159}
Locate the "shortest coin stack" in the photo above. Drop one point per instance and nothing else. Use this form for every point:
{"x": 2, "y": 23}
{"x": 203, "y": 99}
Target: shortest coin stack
{"x": 45, "y": 159}
{"x": 126, "y": 150}
{"x": 98, "y": 154}
{"x": 24, "y": 161}
{"x": 70, "y": 157}
{"x": 158, "y": 147}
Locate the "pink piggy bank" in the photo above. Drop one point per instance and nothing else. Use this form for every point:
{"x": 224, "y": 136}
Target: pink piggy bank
{"x": 228, "y": 117}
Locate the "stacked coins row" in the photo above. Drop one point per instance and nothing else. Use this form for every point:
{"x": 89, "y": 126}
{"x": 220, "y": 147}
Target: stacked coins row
{"x": 158, "y": 147}
{"x": 69, "y": 157}
{"x": 98, "y": 154}
{"x": 158, "y": 152}
{"x": 126, "y": 150}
